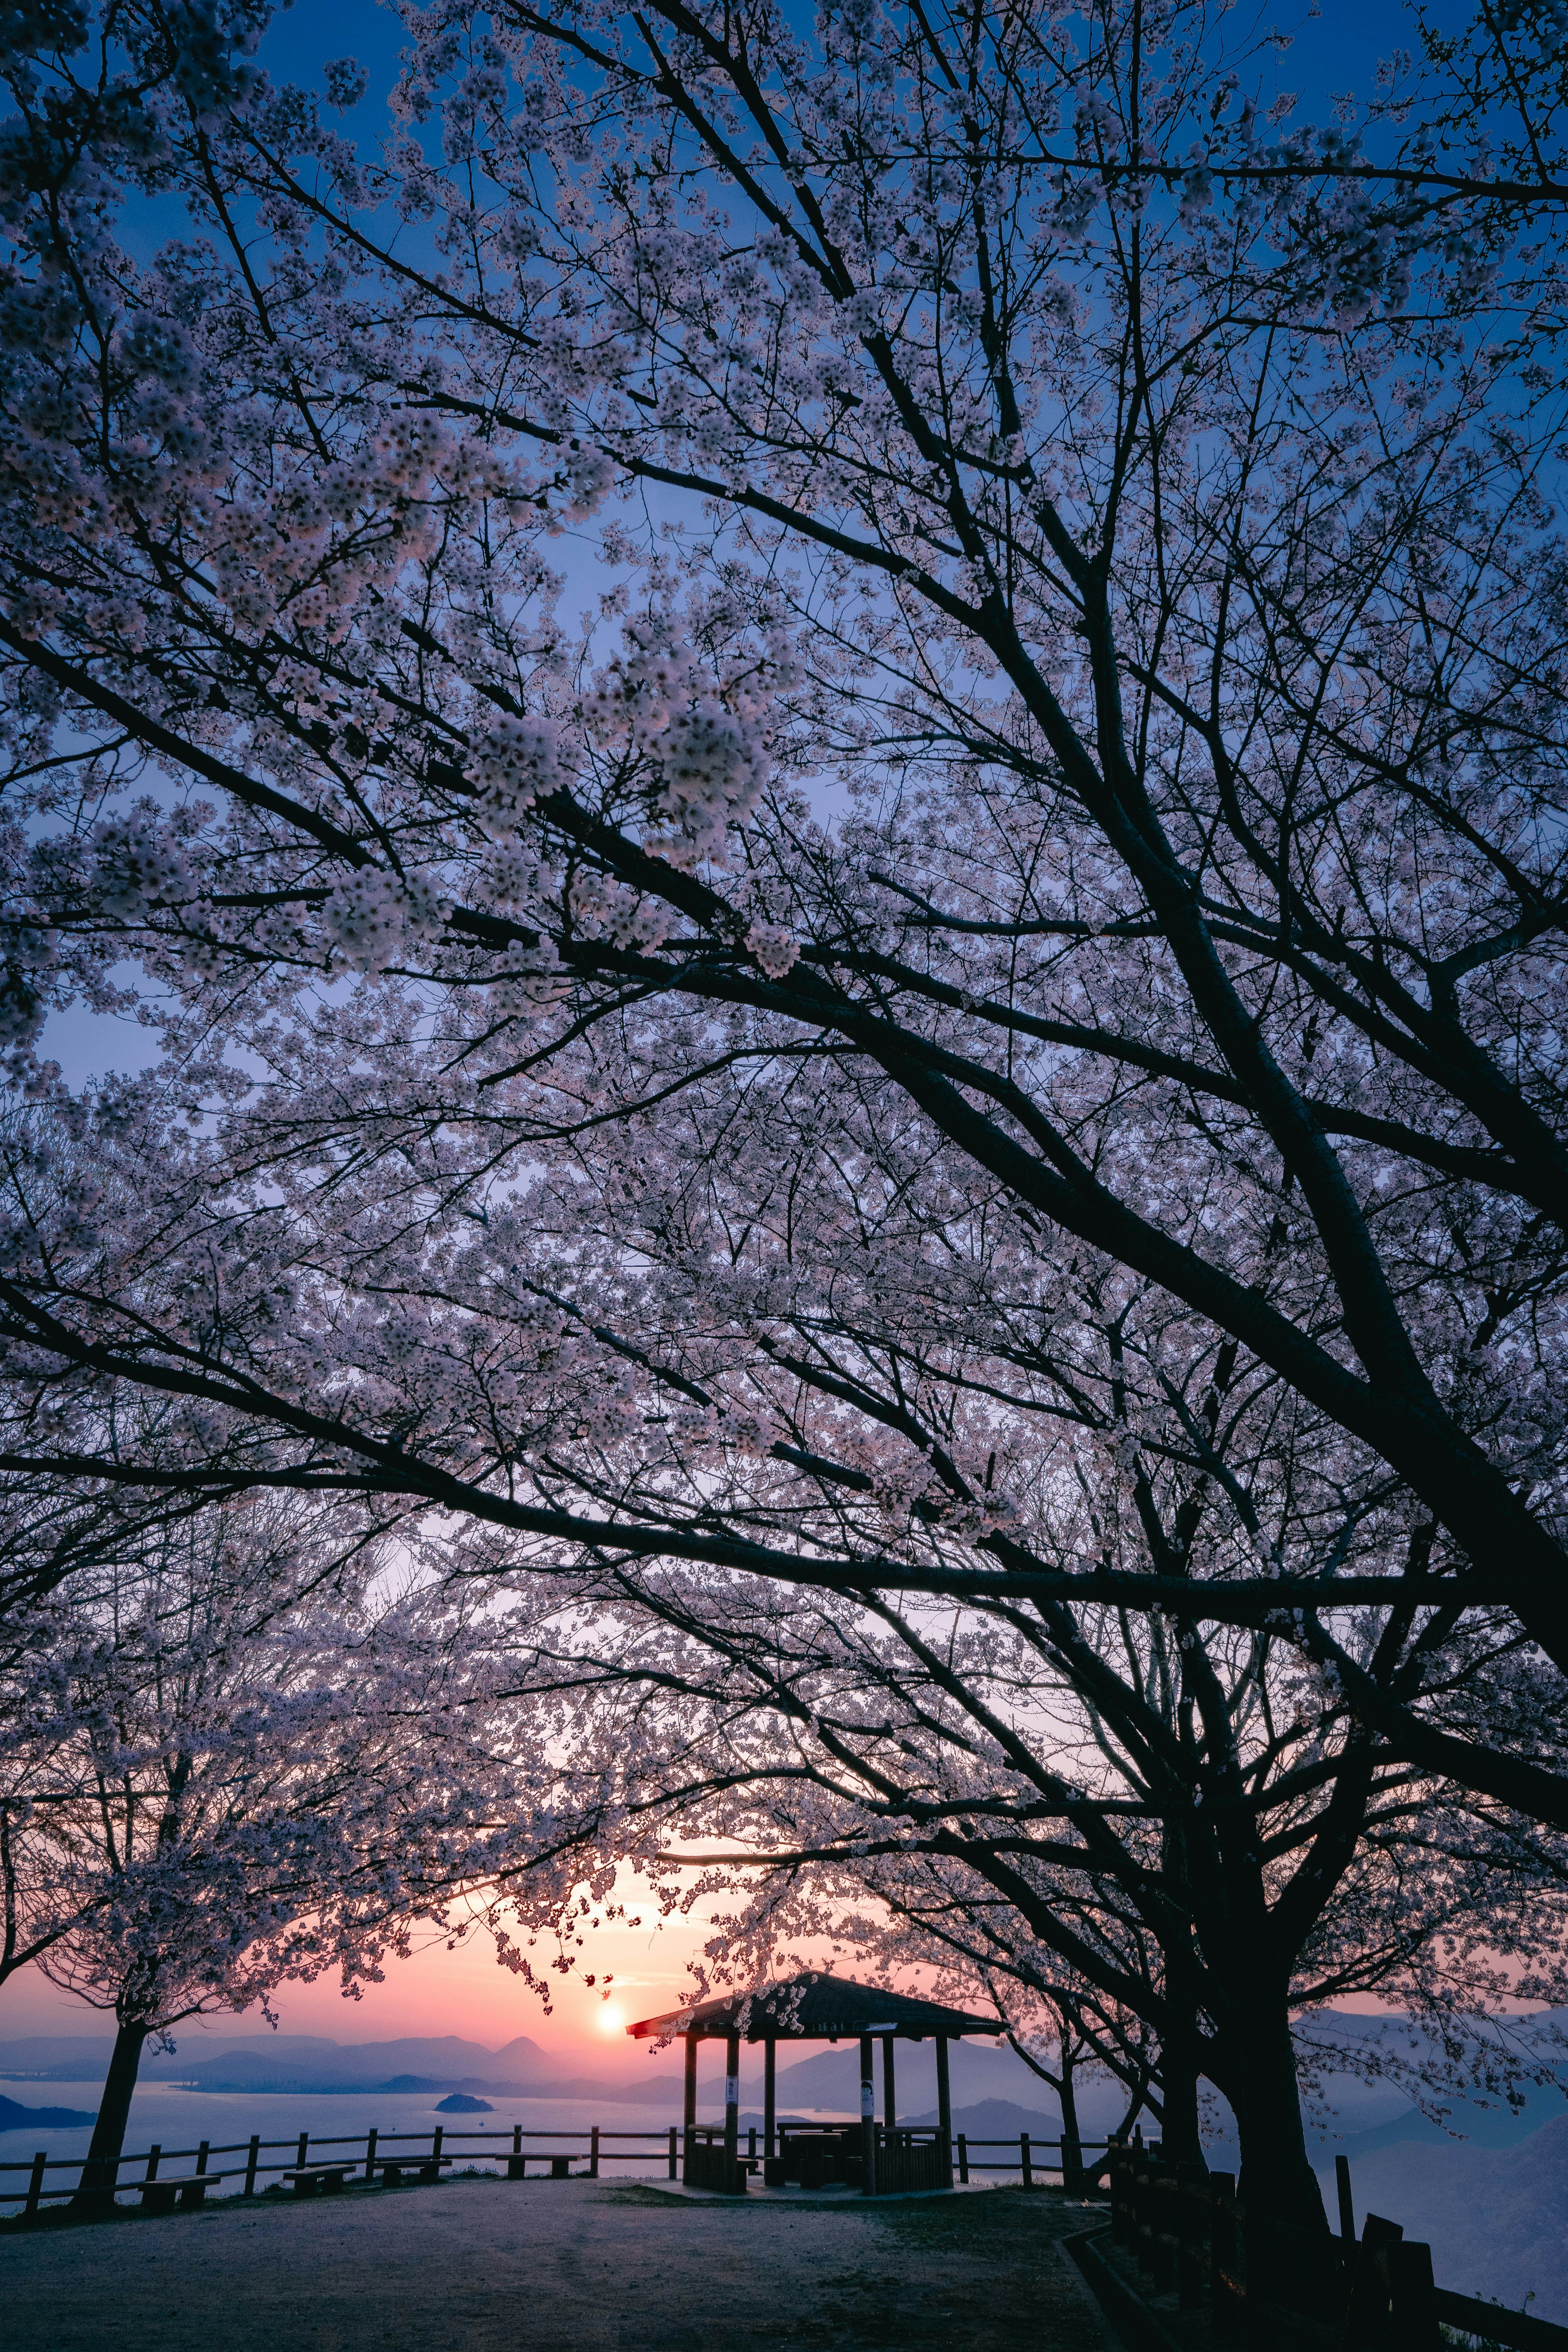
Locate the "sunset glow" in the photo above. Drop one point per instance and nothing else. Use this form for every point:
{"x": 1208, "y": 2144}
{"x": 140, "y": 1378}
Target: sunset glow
{"x": 611, "y": 2019}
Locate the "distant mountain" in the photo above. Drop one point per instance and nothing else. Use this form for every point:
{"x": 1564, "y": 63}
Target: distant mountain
{"x": 1495, "y": 2218}
{"x": 298, "y": 2062}
{"x": 996, "y": 2119}
{"x": 69, "y": 2057}
{"x": 460, "y": 2103}
{"x": 13, "y": 2118}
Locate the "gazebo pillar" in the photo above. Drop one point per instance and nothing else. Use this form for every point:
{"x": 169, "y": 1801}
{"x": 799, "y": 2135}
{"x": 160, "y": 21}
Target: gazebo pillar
{"x": 867, "y": 2120}
{"x": 889, "y": 2097}
{"x": 944, "y": 2105}
{"x": 769, "y": 2093}
{"x": 690, "y": 2118}
{"x": 732, "y": 2104}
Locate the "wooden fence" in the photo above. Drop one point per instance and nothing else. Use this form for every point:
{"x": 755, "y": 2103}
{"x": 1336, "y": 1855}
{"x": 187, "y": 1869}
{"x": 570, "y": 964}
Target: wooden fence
{"x": 155, "y": 2177}
{"x": 1268, "y": 2284}
{"x": 1072, "y": 2158}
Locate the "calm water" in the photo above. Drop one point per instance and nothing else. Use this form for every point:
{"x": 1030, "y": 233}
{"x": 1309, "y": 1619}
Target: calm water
{"x": 179, "y": 2118}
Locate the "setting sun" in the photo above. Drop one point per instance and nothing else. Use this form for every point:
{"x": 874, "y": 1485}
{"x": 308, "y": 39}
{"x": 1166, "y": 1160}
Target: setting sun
{"x": 611, "y": 2021}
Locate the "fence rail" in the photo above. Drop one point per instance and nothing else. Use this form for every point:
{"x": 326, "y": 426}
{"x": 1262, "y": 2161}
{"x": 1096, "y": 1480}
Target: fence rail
{"x": 1270, "y": 2282}
{"x": 154, "y": 2174}
{"x": 1074, "y": 2166}
{"x": 364, "y": 2154}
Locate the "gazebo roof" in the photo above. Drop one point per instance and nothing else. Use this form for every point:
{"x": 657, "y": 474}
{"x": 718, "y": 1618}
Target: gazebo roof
{"x": 816, "y": 2008}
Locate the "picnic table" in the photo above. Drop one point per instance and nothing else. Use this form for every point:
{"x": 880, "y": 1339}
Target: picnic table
{"x": 815, "y": 2156}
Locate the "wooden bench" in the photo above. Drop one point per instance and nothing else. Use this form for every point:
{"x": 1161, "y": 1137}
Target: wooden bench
{"x": 422, "y": 2168}
{"x": 559, "y": 2166}
{"x": 160, "y": 2195}
{"x": 319, "y": 2179}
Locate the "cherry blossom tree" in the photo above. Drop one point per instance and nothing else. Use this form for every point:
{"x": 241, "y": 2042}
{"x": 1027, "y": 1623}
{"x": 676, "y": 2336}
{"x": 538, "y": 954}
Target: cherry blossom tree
{"x": 54, "y": 1534}
{"x": 1178, "y": 1844}
{"x": 260, "y": 1759}
{"x": 1207, "y": 781}
{"x": 604, "y": 1134}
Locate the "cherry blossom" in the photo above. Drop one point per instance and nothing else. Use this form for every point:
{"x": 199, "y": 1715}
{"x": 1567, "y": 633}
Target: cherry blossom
{"x": 984, "y": 1037}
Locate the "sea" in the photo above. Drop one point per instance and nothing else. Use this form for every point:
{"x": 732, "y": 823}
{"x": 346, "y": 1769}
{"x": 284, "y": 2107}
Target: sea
{"x": 179, "y": 2118}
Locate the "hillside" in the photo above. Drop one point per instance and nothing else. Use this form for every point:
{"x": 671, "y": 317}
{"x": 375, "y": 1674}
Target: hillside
{"x": 14, "y": 2118}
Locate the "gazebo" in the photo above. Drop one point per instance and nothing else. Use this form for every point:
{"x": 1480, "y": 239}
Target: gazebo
{"x": 820, "y": 2008}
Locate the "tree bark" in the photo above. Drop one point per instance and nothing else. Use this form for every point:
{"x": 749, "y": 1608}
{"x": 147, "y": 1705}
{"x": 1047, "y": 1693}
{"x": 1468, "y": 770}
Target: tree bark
{"x": 1072, "y": 2139}
{"x": 96, "y": 2192}
{"x": 1179, "y": 2072}
{"x": 1278, "y": 2183}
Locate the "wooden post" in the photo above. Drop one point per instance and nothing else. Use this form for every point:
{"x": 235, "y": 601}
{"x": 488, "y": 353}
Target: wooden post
{"x": 202, "y": 2154}
{"x": 690, "y": 2106}
{"x": 770, "y": 2094}
{"x": 690, "y": 2040}
{"x": 1024, "y": 2152}
{"x": 890, "y": 2096}
{"x": 1412, "y": 2321}
{"x": 674, "y": 2148}
{"x": 435, "y": 2146}
{"x": 1347, "y": 2205}
{"x": 731, "y": 2107}
{"x": 867, "y": 2120}
{"x": 36, "y": 2184}
{"x": 153, "y": 2154}
{"x": 944, "y": 2105}
{"x": 253, "y": 2158}
{"x": 1119, "y": 2179}
{"x": 593, "y": 2153}
{"x": 300, "y": 2157}
{"x": 962, "y": 2160}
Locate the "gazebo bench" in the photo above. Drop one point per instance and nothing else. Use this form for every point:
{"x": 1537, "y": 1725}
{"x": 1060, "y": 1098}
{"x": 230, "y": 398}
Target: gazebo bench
{"x": 323, "y": 2179}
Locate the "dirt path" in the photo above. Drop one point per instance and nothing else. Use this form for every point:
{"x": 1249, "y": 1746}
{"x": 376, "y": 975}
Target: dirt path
{"x": 486, "y": 2266}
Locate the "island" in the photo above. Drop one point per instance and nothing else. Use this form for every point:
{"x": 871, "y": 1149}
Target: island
{"x": 13, "y": 2116}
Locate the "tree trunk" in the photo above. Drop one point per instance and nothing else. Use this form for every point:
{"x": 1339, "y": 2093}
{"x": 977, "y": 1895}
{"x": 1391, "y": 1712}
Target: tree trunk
{"x": 96, "y": 2192}
{"x": 1179, "y": 2069}
{"x": 1278, "y": 2183}
{"x": 1072, "y": 2143}
{"x": 1179, "y": 2043}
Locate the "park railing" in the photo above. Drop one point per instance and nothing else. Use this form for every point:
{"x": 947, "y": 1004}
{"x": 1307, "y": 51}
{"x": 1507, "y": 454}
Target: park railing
{"x": 163, "y": 2178}
{"x": 1269, "y": 2283}
{"x": 317, "y": 2164}
{"x": 1027, "y": 2156}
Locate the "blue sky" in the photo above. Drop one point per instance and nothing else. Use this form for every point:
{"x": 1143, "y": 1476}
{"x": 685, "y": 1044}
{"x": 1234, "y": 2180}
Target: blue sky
{"x": 1336, "y": 52}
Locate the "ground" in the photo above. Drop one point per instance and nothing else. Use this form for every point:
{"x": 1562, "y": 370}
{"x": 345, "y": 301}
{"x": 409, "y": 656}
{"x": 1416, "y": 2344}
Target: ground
{"x": 483, "y": 2265}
